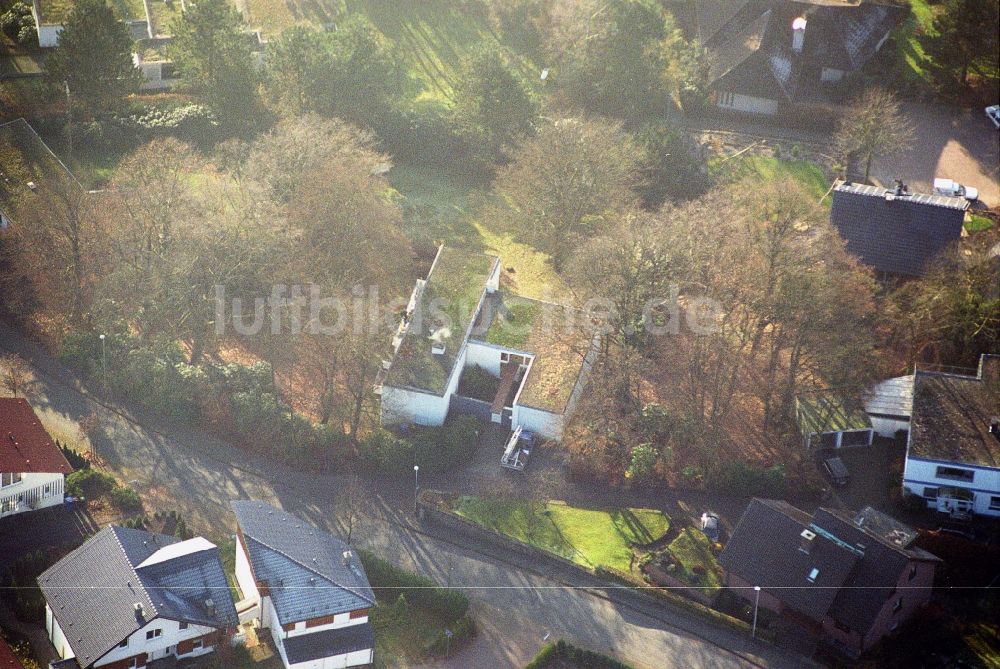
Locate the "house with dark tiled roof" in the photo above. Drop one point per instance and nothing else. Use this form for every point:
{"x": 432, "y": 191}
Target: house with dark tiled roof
{"x": 953, "y": 447}
{"x": 127, "y": 598}
{"x": 306, "y": 586}
{"x": 33, "y": 469}
{"x": 896, "y": 232}
{"x": 851, "y": 579}
{"x": 770, "y": 55}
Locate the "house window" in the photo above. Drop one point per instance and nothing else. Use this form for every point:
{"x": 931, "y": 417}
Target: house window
{"x": 955, "y": 474}
{"x": 133, "y": 663}
{"x": 930, "y": 493}
{"x": 812, "y": 575}
{"x": 913, "y": 573}
{"x": 994, "y": 503}
{"x": 9, "y": 479}
{"x": 898, "y": 605}
{"x": 123, "y": 644}
{"x": 154, "y": 634}
{"x": 197, "y": 644}
{"x": 183, "y": 626}
{"x": 47, "y": 490}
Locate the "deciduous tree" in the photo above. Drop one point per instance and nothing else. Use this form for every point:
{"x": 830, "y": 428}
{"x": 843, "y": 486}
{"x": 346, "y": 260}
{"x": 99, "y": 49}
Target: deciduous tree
{"x": 872, "y": 127}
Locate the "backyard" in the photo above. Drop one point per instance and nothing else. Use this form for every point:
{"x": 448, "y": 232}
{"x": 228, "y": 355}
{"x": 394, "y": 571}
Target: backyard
{"x": 589, "y": 537}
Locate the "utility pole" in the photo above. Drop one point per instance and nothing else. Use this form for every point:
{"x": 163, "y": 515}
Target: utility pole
{"x": 756, "y": 603}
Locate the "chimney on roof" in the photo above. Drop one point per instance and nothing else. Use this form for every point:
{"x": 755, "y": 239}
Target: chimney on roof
{"x": 806, "y": 541}
{"x": 210, "y": 606}
{"x": 347, "y": 558}
{"x": 798, "y": 34}
{"x": 139, "y": 611}
{"x": 900, "y": 187}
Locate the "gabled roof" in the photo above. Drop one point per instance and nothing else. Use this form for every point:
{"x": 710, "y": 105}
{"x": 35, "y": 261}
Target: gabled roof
{"x": 25, "y": 446}
{"x": 952, "y": 414}
{"x": 858, "y": 559}
{"x": 94, "y": 590}
{"x": 305, "y": 568}
{"x": 445, "y": 307}
{"x": 753, "y": 48}
{"x": 896, "y": 233}
{"x": 329, "y": 643}
{"x": 7, "y": 659}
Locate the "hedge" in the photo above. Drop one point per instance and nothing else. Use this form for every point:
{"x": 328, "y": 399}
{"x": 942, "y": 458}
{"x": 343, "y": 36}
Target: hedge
{"x": 461, "y": 630}
{"x": 435, "y": 449}
{"x": 580, "y": 657}
{"x": 389, "y": 582}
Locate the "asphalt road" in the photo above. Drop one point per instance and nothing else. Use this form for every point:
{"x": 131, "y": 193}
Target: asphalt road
{"x": 518, "y": 607}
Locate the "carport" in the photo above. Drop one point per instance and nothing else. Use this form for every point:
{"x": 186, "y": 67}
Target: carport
{"x": 889, "y": 405}
{"x": 827, "y": 420}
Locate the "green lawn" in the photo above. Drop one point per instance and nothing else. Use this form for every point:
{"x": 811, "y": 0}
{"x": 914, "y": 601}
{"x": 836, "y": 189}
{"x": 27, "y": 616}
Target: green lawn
{"x": 439, "y": 206}
{"x": 767, "y": 168}
{"x": 978, "y": 223}
{"x": 910, "y": 38}
{"x": 589, "y": 537}
{"x": 433, "y": 35}
{"x": 691, "y": 548}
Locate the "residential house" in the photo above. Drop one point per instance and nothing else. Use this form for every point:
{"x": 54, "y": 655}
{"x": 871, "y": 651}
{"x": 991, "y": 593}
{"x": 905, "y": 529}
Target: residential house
{"x": 953, "y": 448}
{"x": 305, "y": 585}
{"x": 851, "y": 579}
{"x": 128, "y": 597}
{"x": 7, "y": 658}
{"x": 770, "y": 56}
{"x": 459, "y": 318}
{"x": 33, "y": 469}
{"x": 896, "y": 232}
{"x": 889, "y": 404}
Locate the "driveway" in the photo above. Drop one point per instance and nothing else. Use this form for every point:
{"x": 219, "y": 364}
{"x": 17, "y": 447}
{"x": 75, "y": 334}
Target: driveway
{"x": 959, "y": 144}
{"x": 518, "y": 606}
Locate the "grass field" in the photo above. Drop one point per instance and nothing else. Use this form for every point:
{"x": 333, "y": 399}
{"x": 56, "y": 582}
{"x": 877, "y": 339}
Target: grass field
{"x": 691, "y": 548}
{"x": 439, "y": 206}
{"x": 767, "y": 168}
{"x": 978, "y": 223}
{"x": 910, "y": 40}
{"x": 433, "y": 35}
{"x": 589, "y": 537}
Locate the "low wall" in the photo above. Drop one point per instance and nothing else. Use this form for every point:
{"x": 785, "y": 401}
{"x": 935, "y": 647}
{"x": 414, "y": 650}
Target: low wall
{"x": 661, "y": 577}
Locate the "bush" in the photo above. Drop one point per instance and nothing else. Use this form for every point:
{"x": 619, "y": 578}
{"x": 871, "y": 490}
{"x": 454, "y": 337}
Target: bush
{"x": 461, "y": 630}
{"x": 19, "y": 24}
{"x": 735, "y": 477}
{"x": 90, "y": 483}
{"x": 580, "y": 657}
{"x": 435, "y": 449}
{"x": 125, "y": 500}
{"x": 478, "y": 384}
{"x": 73, "y": 457}
{"x": 421, "y": 134}
{"x": 390, "y": 582}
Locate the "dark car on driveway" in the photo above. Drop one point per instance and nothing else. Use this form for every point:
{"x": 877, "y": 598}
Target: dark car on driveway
{"x": 836, "y": 471}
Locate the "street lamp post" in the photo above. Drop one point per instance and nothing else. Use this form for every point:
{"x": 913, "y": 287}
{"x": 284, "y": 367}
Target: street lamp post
{"x": 104, "y": 361}
{"x": 756, "y": 603}
{"x": 416, "y": 486}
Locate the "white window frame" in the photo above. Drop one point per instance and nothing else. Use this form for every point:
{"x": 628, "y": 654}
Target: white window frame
{"x": 154, "y": 634}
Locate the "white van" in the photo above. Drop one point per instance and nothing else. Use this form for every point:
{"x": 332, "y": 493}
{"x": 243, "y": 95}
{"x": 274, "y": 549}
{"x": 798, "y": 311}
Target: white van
{"x": 955, "y": 189}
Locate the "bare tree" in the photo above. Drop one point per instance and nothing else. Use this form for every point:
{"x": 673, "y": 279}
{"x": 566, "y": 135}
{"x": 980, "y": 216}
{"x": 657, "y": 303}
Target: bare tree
{"x": 872, "y": 127}
{"x": 17, "y": 374}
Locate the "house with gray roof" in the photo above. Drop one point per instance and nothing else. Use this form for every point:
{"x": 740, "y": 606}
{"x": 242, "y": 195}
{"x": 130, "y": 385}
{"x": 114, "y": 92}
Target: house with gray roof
{"x": 306, "y": 586}
{"x": 893, "y": 230}
{"x": 128, "y": 597}
{"x": 772, "y": 55}
{"x": 849, "y": 578}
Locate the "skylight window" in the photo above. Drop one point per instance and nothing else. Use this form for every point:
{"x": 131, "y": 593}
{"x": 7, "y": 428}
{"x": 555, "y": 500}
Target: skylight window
{"x": 812, "y": 575}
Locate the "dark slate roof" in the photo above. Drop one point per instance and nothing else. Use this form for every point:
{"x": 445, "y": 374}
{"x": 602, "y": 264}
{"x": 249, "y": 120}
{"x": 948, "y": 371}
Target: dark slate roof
{"x": 952, "y": 413}
{"x": 753, "y": 47}
{"x": 896, "y": 234}
{"x": 329, "y": 643}
{"x": 859, "y": 558}
{"x": 304, "y": 566}
{"x": 93, "y": 590}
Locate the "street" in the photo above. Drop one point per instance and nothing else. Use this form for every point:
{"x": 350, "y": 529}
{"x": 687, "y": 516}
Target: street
{"x": 517, "y": 608}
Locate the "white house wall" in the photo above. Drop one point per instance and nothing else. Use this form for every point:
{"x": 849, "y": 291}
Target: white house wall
{"x": 244, "y": 576}
{"x": 56, "y": 635}
{"x": 33, "y": 487}
{"x": 887, "y": 427}
{"x": 339, "y": 620}
{"x": 172, "y": 634}
{"x": 357, "y": 658}
{"x": 484, "y": 355}
{"x": 921, "y": 474}
{"x": 746, "y": 103}
{"x": 48, "y": 36}
{"x": 400, "y": 405}
{"x": 544, "y": 423}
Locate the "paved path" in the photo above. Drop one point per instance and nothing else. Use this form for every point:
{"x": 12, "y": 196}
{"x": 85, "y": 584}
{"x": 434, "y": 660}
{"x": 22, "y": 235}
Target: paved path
{"x": 518, "y": 607}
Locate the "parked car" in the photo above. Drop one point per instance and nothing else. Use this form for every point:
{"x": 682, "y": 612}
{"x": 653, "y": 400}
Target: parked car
{"x": 518, "y": 449}
{"x": 710, "y": 526}
{"x": 993, "y": 114}
{"x": 836, "y": 471}
{"x": 955, "y": 189}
